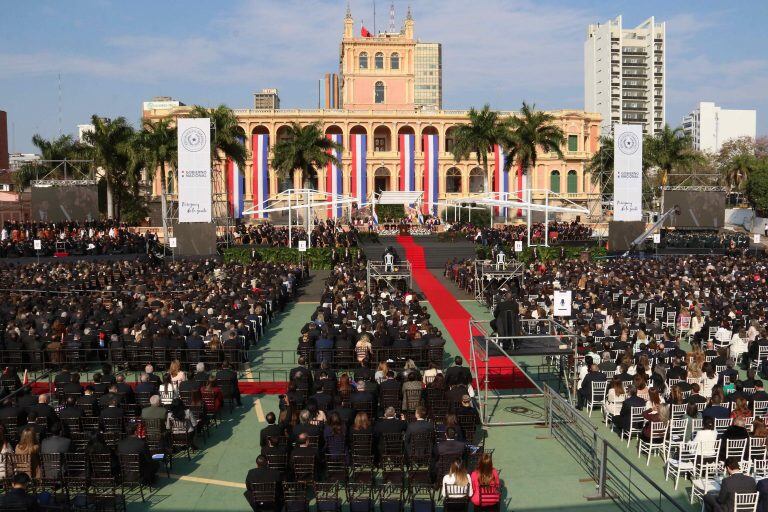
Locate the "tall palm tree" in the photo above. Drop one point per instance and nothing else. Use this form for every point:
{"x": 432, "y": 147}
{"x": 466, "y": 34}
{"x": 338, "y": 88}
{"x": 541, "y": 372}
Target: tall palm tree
{"x": 305, "y": 148}
{"x": 669, "y": 150}
{"x": 600, "y": 166}
{"x": 110, "y": 143}
{"x": 485, "y": 129}
{"x": 51, "y": 151}
{"x": 532, "y": 130}
{"x": 156, "y": 146}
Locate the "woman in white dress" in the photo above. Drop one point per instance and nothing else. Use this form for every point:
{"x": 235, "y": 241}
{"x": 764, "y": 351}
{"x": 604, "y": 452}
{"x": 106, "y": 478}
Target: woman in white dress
{"x": 614, "y": 398}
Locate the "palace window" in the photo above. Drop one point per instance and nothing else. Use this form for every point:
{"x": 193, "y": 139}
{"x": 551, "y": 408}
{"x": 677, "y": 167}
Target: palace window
{"x": 379, "y": 60}
{"x": 573, "y": 143}
{"x": 394, "y": 61}
{"x": 573, "y": 182}
{"x": 364, "y": 60}
{"x": 379, "y": 92}
{"x": 554, "y": 182}
{"x": 453, "y": 181}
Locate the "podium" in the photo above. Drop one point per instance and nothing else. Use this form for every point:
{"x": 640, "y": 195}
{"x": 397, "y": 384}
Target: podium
{"x": 405, "y": 229}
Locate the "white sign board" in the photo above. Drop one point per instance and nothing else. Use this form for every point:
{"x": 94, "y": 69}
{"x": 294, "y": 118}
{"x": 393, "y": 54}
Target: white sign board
{"x": 657, "y": 238}
{"x": 194, "y": 146}
{"x": 302, "y": 246}
{"x": 38, "y": 245}
{"x": 172, "y": 243}
{"x": 563, "y": 303}
{"x": 518, "y": 246}
{"x": 756, "y": 238}
{"x": 627, "y": 172}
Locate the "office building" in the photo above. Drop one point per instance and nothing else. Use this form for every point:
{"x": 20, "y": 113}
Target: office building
{"x": 710, "y": 126}
{"x": 625, "y": 73}
{"x": 266, "y": 99}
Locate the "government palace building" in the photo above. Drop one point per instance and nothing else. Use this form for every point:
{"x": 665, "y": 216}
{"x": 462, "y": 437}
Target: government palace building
{"x": 386, "y": 95}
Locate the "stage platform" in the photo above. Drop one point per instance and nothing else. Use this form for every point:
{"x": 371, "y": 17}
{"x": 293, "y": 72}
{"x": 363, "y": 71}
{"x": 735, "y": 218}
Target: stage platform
{"x": 540, "y": 346}
{"x": 436, "y": 252}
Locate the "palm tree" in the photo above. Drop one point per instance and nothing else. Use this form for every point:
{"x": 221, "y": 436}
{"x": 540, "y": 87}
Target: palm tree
{"x": 485, "y": 129}
{"x": 530, "y": 130}
{"x": 156, "y": 147}
{"x": 304, "y": 148}
{"x": 51, "y": 152}
{"x": 600, "y": 166}
{"x": 110, "y": 143}
{"x": 669, "y": 150}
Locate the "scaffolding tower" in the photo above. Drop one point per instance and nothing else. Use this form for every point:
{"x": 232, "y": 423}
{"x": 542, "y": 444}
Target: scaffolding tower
{"x": 492, "y": 276}
{"x": 390, "y": 274}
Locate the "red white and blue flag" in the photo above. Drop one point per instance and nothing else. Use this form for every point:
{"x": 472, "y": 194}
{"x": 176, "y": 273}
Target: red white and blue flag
{"x": 235, "y": 189}
{"x": 500, "y": 180}
{"x": 407, "y": 162}
{"x": 431, "y": 177}
{"x": 333, "y": 179}
{"x": 260, "y": 173}
{"x": 522, "y": 184}
{"x": 359, "y": 186}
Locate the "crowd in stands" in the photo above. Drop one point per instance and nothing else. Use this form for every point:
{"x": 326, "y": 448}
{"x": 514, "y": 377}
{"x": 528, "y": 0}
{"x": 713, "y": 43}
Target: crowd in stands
{"x": 76, "y": 238}
{"x": 509, "y": 234}
{"x": 328, "y": 233}
{"x": 661, "y": 343}
{"x": 370, "y": 413}
{"x": 679, "y": 239}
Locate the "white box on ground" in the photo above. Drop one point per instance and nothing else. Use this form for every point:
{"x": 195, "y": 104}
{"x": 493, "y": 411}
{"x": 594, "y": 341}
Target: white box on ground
{"x": 563, "y": 303}
{"x": 302, "y": 246}
{"x": 518, "y": 246}
{"x": 38, "y": 245}
{"x": 172, "y": 243}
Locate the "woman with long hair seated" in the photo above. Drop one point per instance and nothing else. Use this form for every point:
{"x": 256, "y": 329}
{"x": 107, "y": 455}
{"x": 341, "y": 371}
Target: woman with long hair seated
{"x": 28, "y": 445}
{"x": 180, "y": 420}
{"x": 168, "y": 390}
{"x": 486, "y": 488}
{"x": 212, "y": 395}
{"x": 456, "y": 484}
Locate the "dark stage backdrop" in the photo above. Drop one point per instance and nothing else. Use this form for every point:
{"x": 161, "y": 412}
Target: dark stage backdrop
{"x": 698, "y": 210}
{"x": 622, "y": 233}
{"x": 195, "y": 238}
{"x": 63, "y": 203}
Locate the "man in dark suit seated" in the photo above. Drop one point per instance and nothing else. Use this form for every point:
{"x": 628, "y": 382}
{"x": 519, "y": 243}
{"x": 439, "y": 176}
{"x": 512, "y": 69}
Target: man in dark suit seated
{"x": 585, "y": 391}
{"x": 145, "y": 385}
{"x": 125, "y": 389}
{"x": 390, "y": 424}
{"x": 43, "y": 409}
{"x": 458, "y": 374}
{"x": 71, "y": 410}
{"x": 735, "y": 482}
{"x": 17, "y": 498}
{"x": 227, "y": 374}
{"x": 133, "y": 445}
{"x": 451, "y": 448}
{"x": 715, "y": 409}
{"x": 696, "y": 397}
{"x": 272, "y": 429}
{"x": 759, "y": 395}
{"x": 736, "y": 431}
{"x": 73, "y": 387}
{"x": 303, "y": 449}
{"x": 362, "y": 396}
{"x": 110, "y": 412}
{"x": 421, "y": 426}
{"x": 623, "y": 419}
{"x": 261, "y": 474}
{"x": 305, "y": 427}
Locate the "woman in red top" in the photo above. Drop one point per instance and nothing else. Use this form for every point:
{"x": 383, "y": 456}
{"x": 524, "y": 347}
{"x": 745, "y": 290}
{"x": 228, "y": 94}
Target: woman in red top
{"x": 486, "y": 490}
{"x": 212, "y": 396}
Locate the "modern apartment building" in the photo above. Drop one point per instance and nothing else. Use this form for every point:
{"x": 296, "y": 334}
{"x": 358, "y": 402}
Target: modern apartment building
{"x": 624, "y": 74}
{"x": 266, "y": 99}
{"x": 710, "y": 126}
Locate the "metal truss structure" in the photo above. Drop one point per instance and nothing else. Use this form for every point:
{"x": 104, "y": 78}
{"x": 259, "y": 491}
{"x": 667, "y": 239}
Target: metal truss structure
{"x": 378, "y": 271}
{"x": 491, "y": 276}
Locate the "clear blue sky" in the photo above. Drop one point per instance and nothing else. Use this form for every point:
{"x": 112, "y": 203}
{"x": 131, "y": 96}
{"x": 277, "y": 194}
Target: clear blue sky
{"x": 112, "y": 55}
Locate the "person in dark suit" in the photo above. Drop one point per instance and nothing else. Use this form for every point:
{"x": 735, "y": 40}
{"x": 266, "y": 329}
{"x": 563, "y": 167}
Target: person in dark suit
{"x": 145, "y": 385}
{"x": 736, "y": 431}
{"x": 71, "y": 410}
{"x": 201, "y": 376}
{"x": 451, "y": 448}
{"x": 111, "y": 411}
{"x": 762, "y": 502}
{"x": 759, "y": 395}
{"x": 227, "y": 374}
{"x": 133, "y": 445}
{"x": 43, "y": 409}
{"x": 735, "y": 482}
{"x": 261, "y": 474}
{"x": 506, "y": 320}
{"x": 73, "y": 387}
{"x": 421, "y": 426}
{"x": 154, "y": 379}
{"x": 125, "y": 389}
{"x": 715, "y": 409}
{"x": 17, "y": 498}
{"x": 390, "y": 424}
{"x": 622, "y": 420}
{"x": 458, "y": 374}
{"x": 585, "y": 391}
{"x": 272, "y": 429}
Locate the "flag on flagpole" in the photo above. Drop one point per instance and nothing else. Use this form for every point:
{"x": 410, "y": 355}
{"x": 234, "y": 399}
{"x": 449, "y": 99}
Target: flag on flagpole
{"x": 26, "y": 378}
{"x": 260, "y": 173}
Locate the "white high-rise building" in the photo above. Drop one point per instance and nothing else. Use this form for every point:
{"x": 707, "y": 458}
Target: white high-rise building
{"x": 624, "y": 74}
{"x": 710, "y": 126}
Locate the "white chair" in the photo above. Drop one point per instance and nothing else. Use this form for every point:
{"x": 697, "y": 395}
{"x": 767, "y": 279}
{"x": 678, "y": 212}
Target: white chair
{"x": 675, "y": 436}
{"x": 760, "y": 469}
{"x": 671, "y": 320}
{"x": 635, "y": 423}
{"x": 684, "y": 464}
{"x": 722, "y": 424}
{"x": 598, "y": 396}
{"x": 745, "y": 501}
{"x": 696, "y": 425}
{"x": 655, "y": 442}
{"x": 642, "y": 308}
{"x": 704, "y": 480}
{"x": 762, "y": 353}
{"x": 760, "y": 407}
{"x": 677, "y": 411}
{"x": 757, "y": 448}
{"x": 736, "y": 448}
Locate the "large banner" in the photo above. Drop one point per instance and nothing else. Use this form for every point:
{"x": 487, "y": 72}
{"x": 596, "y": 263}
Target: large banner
{"x": 627, "y": 172}
{"x": 500, "y": 179}
{"x": 407, "y": 162}
{"x": 431, "y": 177}
{"x": 260, "y": 173}
{"x": 334, "y": 183}
{"x": 235, "y": 187}
{"x": 359, "y": 185}
{"x": 194, "y": 169}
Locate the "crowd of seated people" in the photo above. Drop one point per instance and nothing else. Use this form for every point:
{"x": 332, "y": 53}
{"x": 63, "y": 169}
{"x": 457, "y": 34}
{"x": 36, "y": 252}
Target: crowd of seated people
{"x": 87, "y": 443}
{"x": 130, "y": 312}
{"x": 507, "y": 235}
{"x": 369, "y": 412}
{"x": 76, "y": 238}
{"x": 328, "y": 233}
{"x": 681, "y": 239}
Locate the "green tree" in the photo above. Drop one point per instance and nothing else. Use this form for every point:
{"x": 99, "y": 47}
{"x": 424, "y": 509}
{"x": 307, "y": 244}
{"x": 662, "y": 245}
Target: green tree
{"x": 600, "y": 166}
{"x": 757, "y": 187}
{"x": 485, "y": 129}
{"x": 667, "y": 151}
{"x": 305, "y": 148}
{"x": 110, "y": 145}
{"x": 52, "y": 152}
{"x": 532, "y": 130}
{"x": 735, "y": 160}
{"x": 156, "y": 147}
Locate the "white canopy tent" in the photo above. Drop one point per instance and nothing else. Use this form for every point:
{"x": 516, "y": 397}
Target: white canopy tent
{"x": 398, "y": 197}
{"x": 510, "y": 200}
{"x": 301, "y": 199}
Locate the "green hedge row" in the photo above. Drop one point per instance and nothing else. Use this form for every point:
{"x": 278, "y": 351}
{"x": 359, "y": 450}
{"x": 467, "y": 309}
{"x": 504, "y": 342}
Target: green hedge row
{"x": 545, "y": 253}
{"x": 390, "y": 211}
{"x": 318, "y": 257}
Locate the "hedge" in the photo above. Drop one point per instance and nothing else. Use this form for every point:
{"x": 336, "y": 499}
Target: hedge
{"x": 484, "y": 252}
{"x": 390, "y": 211}
{"x": 318, "y": 258}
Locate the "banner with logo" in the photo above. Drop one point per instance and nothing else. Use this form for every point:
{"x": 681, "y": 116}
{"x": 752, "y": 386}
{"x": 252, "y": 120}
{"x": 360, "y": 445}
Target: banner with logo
{"x": 260, "y": 145}
{"x": 333, "y": 179}
{"x": 627, "y": 172}
{"x": 431, "y": 177}
{"x": 194, "y": 146}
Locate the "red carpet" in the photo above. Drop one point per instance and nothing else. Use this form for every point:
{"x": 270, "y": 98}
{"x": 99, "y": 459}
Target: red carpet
{"x": 502, "y": 373}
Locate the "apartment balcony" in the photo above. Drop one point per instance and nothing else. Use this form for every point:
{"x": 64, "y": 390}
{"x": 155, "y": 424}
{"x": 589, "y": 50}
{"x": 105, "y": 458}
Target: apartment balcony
{"x": 633, "y": 85}
{"x": 633, "y": 74}
{"x": 634, "y": 62}
{"x": 634, "y": 95}
{"x": 636, "y": 107}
